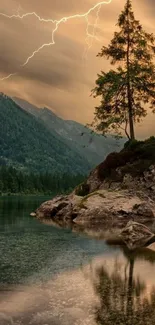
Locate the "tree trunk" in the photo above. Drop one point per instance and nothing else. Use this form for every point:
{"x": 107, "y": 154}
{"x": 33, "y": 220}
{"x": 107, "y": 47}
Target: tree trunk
{"x": 129, "y": 96}
{"x": 130, "y": 293}
{"x": 130, "y": 110}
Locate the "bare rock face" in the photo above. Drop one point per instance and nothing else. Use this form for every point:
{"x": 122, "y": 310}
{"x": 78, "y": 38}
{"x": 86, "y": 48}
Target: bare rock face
{"x": 121, "y": 180}
{"x": 52, "y": 207}
{"x": 99, "y": 207}
{"x": 5, "y": 319}
{"x": 93, "y": 180}
{"x": 61, "y": 208}
{"x": 136, "y": 235}
{"x": 105, "y": 206}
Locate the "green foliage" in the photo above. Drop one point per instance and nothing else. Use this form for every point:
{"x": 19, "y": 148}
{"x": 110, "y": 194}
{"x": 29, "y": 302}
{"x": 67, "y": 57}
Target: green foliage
{"x": 25, "y": 143}
{"x": 135, "y": 158}
{"x": 82, "y": 189}
{"x": 132, "y": 144}
{"x": 125, "y": 91}
{"x": 15, "y": 182}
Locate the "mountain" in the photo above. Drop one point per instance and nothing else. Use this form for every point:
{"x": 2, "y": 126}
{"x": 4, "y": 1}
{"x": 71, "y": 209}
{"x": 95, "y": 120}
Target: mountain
{"x": 93, "y": 147}
{"x": 26, "y": 143}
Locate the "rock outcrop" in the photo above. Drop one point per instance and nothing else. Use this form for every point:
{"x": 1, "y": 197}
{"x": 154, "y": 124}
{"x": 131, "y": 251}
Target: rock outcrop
{"x": 119, "y": 190}
{"x": 132, "y": 169}
{"x": 99, "y": 207}
{"x": 124, "y": 180}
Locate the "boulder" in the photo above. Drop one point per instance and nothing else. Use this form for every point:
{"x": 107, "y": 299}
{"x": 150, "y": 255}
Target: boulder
{"x": 60, "y": 209}
{"x": 136, "y": 235}
{"x": 50, "y": 208}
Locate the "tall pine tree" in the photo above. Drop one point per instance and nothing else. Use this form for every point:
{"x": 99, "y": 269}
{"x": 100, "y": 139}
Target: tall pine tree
{"x": 125, "y": 91}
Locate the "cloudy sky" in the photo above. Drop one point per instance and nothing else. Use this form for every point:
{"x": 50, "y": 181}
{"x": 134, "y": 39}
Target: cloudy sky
{"x": 61, "y": 76}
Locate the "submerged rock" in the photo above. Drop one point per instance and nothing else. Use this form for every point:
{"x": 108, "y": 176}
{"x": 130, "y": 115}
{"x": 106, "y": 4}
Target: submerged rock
{"x": 33, "y": 214}
{"x": 136, "y": 235}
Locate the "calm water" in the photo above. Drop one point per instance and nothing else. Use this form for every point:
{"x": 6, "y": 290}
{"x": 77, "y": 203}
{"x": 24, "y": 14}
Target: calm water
{"x": 52, "y": 276}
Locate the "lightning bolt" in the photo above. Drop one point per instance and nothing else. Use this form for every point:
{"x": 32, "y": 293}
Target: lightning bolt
{"x": 90, "y": 37}
{"x": 19, "y": 9}
{"x": 7, "y": 77}
{"x": 57, "y": 23}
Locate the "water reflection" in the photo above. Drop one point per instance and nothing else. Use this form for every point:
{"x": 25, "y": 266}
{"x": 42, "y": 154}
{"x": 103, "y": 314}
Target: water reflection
{"x": 58, "y": 277}
{"x": 124, "y": 298}
{"x": 109, "y": 290}
{"x": 14, "y": 208}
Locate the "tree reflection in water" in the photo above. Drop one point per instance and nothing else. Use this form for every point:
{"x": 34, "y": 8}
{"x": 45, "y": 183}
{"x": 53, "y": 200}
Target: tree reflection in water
{"x": 123, "y": 299}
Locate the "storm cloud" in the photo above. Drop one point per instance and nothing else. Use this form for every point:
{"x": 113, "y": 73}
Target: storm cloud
{"x": 58, "y": 77}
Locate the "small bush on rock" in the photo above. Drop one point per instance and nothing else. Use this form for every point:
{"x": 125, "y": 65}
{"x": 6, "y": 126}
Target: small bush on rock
{"x": 82, "y": 189}
{"x": 134, "y": 158}
{"x": 113, "y": 161}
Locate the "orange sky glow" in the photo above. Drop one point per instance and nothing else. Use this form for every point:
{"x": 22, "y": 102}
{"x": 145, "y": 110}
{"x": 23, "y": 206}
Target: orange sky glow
{"x": 61, "y": 76}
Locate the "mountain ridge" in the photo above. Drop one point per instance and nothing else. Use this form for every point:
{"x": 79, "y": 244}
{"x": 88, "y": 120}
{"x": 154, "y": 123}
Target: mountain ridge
{"x": 93, "y": 147}
{"x": 25, "y": 143}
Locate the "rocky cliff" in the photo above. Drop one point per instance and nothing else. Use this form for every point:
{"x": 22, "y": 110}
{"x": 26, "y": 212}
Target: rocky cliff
{"x": 120, "y": 189}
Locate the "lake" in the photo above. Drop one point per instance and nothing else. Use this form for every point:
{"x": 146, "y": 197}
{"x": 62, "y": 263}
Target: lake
{"x": 54, "y": 276}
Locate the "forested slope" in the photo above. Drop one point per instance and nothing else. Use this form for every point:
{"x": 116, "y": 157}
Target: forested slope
{"x": 93, "y": 147}
{"x": 27, "y": 144}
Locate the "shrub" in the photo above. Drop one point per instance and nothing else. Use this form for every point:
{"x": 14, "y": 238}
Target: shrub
{"x": 135, "y": 158}
{"x": 82, "y": 189}
{"x": 113, "y": 161}
{"x": 132, "y": 144}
